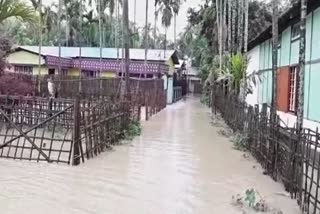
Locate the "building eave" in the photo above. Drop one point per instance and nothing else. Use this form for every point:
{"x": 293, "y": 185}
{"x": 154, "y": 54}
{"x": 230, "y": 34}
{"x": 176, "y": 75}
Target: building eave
{"x": 288, "y": 18}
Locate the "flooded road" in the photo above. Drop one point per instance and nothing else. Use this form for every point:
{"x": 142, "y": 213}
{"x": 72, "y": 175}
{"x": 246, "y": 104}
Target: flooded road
{"x": 179, "y": 165}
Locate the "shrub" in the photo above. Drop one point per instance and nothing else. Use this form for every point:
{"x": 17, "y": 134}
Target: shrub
{"x": 134, "y": 129}
{"x": 16, "y": 84}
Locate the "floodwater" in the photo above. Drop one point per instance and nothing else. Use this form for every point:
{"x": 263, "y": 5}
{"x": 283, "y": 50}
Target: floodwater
{"x": 180, "y": 164}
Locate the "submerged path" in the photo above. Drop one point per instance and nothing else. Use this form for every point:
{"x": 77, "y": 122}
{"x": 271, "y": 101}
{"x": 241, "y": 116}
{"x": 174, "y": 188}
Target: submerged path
{"x": 180, "y": 164}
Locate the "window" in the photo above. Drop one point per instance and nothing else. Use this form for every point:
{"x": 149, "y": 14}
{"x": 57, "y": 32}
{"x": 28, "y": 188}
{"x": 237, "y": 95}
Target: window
{"x": 23, "y": 69}
{"x": 295, "y": 33}
{"x": 51, "y": 71}
{"x": 293, "y": 89}
{"x": 89, "y": 73}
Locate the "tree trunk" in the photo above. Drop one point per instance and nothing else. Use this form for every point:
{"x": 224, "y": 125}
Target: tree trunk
{"x": 135, "y": 21}
{"x": 126, "y": 42}
{"x": 275, "y": 32}
{"x": 175, "y": 30}
{"x": 146, "y": 45}
{"x": 300, "y": 107}
{"x": 219, "y": 27}
{"x": 40, "y": 46}
{"x": 165, "y": 41}
{"x": 233, "y": 24}
{"x": 80, "y": 47}
{"x": 246, "y": 33}
{"x": 155, "y": 26}
{"x": 67, "y": 31}
{"x": 117, "y": 33}
{"x": 100, "y": 37}
{"x": 59, "y": 36}
{"x": 229, "y": 26}
{"x": 104, "y": 32}
{"x": 225, "y": 32}
{"x": 246, "y": 26}
{"x": 302, "y": 61}
{"x": 221, "y": 33}
{"x": 240, "y": 25}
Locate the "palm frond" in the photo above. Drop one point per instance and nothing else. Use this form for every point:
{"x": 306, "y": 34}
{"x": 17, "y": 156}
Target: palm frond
{"x": 17, "y": 9}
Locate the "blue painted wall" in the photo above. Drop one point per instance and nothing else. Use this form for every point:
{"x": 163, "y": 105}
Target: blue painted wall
{"x": 288, "y": 55}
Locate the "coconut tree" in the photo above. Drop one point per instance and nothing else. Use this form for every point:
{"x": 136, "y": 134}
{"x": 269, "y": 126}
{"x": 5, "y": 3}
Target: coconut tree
{"x": 17, "y": 9}
{"x": 169, "y": 9}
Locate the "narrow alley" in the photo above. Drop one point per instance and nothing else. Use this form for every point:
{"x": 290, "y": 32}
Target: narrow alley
{"x": 180, "y": 164}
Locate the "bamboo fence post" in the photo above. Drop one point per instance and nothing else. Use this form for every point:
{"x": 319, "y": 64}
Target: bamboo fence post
{"x": 76, "y": 132}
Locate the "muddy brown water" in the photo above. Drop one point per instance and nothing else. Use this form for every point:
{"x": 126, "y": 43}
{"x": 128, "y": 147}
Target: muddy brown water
{"x": 179, "y": 165}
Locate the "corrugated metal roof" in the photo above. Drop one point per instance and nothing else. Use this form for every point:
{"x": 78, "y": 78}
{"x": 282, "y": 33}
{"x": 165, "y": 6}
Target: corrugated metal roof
{"x": 107, "y": 53}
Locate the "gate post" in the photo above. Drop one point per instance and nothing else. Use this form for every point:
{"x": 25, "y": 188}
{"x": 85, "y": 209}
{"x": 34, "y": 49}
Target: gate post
{"x": 76, "y": 132}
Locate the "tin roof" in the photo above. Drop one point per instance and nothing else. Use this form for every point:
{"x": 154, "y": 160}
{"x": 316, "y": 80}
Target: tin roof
{"x": 107, "y": 53}
{"x": 288, "y": 18}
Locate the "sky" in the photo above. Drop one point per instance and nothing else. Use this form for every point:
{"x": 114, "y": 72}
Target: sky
{"x": 181, "y": 18}
{"x": 141, "y": 8}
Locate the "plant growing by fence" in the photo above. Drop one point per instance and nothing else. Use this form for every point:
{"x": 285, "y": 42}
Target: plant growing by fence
{"x": 240, "y": 141}
{"x": 133, "y": 130}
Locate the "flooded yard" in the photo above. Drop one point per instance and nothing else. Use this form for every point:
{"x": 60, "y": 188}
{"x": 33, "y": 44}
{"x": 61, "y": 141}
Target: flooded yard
{"x": 180, "y": 164}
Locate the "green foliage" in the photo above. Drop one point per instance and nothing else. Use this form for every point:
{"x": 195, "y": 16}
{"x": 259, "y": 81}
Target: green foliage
{"x": 168, "y": 8}
{"x": 250, "y": 197}
{"x": 204, "y": 99}
{"x": 17, "y": 9}
{"x": 240, "y": 142}
{"x": 233, "y": 70}
{"x": 134, "y": 129}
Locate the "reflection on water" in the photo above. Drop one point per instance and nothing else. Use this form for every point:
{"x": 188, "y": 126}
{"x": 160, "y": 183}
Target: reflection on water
{"x": 179, "y": 165}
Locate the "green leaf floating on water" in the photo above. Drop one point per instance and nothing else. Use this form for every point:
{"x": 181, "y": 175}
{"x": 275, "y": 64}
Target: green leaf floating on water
{"x": 250, "y": 197}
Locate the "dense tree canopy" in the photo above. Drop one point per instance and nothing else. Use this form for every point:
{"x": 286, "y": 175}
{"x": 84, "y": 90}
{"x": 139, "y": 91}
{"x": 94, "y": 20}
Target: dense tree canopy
{"x": 200, "y": 41}
{"x": 26, "y": 33}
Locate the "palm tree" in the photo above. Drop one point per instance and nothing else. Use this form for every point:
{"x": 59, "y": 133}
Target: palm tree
{"x": 274, "y": 55}
{"x": 17, "y": 9}
{"x": 169, "y": 9}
